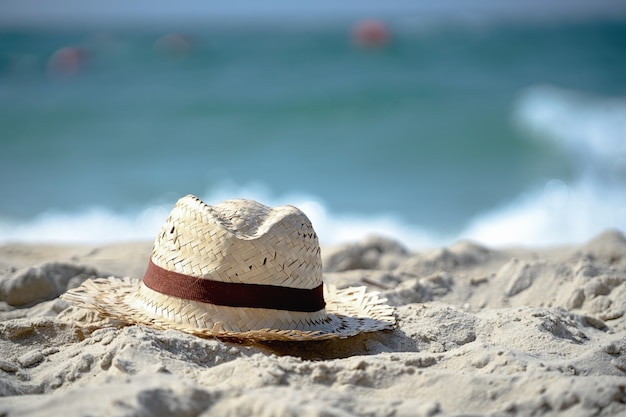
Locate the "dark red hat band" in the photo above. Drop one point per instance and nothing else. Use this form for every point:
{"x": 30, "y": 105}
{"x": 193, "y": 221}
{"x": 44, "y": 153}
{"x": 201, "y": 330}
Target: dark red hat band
{"x": 233, "y": 294}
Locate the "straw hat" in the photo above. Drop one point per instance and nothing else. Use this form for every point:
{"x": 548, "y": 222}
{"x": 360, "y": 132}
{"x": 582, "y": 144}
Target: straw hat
{"x": 241, "y": 270}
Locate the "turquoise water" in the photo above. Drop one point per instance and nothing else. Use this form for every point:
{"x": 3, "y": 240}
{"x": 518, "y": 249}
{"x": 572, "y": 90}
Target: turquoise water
{"x": 499, "y": 132}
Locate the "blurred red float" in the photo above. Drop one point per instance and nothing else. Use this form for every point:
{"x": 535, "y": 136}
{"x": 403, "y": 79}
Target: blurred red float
{"x": 370, "y": 32}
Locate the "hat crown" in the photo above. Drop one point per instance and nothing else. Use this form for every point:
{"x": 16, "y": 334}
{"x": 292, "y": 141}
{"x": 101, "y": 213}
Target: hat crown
{"x": 240, "y": 241}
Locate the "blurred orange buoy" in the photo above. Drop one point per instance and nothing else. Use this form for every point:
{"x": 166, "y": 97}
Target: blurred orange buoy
{"x": 370, "y": 32}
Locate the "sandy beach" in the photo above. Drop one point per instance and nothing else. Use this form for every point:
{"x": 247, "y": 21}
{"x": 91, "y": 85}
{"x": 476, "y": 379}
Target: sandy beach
{"x": 486, "y": 332}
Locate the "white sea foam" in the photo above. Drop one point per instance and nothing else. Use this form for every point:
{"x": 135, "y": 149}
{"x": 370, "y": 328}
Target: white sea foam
{"x": 593, "y": 130}
{"x": 557, "y": 214}
{"x": 94, "y": 225}
{"x": 592, "y": 127}
{"x": 100, "y": 225}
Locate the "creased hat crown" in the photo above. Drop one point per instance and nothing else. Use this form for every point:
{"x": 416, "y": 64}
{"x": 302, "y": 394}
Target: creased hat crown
{"x": 240, "y": 241}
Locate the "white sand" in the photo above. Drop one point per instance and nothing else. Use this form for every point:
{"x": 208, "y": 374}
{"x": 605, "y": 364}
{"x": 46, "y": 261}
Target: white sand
{"x": 481, "y": 332}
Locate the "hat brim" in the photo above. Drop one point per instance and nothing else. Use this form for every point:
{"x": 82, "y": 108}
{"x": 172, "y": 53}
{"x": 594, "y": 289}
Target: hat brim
{"x": 350, "y": 311}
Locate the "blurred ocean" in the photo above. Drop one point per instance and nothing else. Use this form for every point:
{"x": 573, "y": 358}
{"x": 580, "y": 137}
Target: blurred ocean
{"x": 503, "y": 132}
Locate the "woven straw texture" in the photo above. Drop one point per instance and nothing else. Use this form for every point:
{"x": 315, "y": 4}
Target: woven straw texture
{"x": 240, "y": 241}
{"x": 245, "y": 242}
